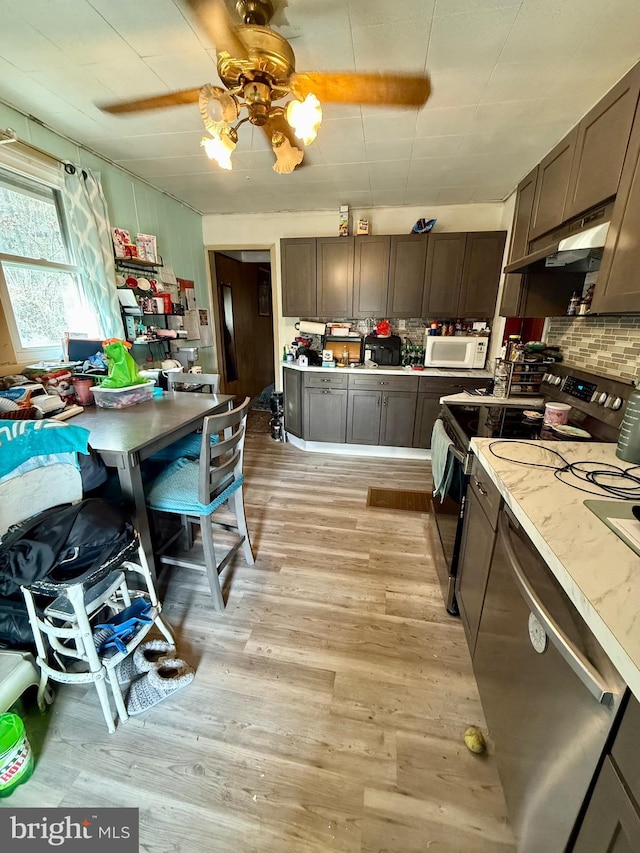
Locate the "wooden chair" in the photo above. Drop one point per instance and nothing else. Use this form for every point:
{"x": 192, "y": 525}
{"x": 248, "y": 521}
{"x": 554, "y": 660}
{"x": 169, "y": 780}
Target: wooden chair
{"x": 199, "y": 383}
{"x": 196, "y": 489}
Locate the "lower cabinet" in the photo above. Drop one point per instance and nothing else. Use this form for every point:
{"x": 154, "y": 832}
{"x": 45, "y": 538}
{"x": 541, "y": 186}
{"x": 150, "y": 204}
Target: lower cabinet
{"x": 325, "y": 415}
{"x": 381, "y": 417}
{"x": 292, "y": 388}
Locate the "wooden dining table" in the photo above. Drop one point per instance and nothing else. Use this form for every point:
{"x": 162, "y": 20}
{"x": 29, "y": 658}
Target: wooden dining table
{"x": 125, "y": 437}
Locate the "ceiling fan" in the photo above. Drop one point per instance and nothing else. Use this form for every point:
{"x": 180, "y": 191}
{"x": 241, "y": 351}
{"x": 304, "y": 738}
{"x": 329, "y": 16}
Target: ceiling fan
{"x": 257, "y": 67}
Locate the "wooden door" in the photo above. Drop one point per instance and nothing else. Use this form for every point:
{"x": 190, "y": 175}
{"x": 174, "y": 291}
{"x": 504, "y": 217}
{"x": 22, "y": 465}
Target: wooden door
{"x": 292, "y": 388}
{"x": 335, "y": 276}
{"x": 551, "y": 189}
{"x": 325, "y": 415}
{"x": 406, "y": 275}
{"x": 298, "y": 265}
{"x": 481, "y": 274}
{"x": 398, "y": 418}
{"x": 618, "y": 287}
{"x": 601, "y": 145}
{"x": 443, "y": 277}
{"x": 371, "y": 276}
{"x": 611, "y": 823}
{"x": 363, "y": 417}
{"x": 514, "y": 282}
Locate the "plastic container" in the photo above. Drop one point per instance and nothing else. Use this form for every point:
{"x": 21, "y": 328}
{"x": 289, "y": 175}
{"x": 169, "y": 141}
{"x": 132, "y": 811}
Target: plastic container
{"x": 629, "y": 439}
{"x": 556, "y": 413}
{"x": 120, "y": 398}
{"x": 16, "y": 757}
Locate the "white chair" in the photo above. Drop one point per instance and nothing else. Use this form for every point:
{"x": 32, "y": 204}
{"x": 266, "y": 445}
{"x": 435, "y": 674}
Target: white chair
{"x": 196, "y": 489}
{"x": 199, "y": 383}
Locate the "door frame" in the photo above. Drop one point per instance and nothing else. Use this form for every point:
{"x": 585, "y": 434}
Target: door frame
{"x": 212, "y": 287}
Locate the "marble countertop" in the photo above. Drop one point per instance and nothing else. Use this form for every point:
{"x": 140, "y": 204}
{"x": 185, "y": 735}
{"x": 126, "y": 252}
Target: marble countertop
{"x": 597, "y": 570}
{"x": 463, "y": 398}
{"x": 395, "y": 371}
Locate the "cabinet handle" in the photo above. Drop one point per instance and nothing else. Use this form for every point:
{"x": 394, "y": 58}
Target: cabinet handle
{"x": 382, "y": 383}
{"x": 587, "y": 674}
{"x": 325, "y": 380}
{"x": 384, "y": 401}
{"x": 326, "y": 392}
{"x": 480, "y": 488}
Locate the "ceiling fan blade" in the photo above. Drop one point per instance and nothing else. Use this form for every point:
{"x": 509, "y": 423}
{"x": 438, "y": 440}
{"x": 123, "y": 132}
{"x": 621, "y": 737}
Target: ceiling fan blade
{"x": 157, "y": 102}
{"x": 399, "y": 90}
{"x": 215, "y": 20}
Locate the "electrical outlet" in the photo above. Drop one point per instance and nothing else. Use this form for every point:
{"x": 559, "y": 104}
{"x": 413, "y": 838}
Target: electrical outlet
{"x": 402, "y": 324}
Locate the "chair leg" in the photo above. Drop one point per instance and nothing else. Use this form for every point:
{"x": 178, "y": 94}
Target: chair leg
{"x": 117, "y": 695}
{"x": 241, "y": 521}
{"x": 188, "y": 529}
{"x": 210, "y": 562}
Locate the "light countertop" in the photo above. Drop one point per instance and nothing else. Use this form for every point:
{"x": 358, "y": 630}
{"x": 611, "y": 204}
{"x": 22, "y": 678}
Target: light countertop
{"x": 395, "y": 371}
{"x": 596, "y": 569}
{"x": 463, "y": 398}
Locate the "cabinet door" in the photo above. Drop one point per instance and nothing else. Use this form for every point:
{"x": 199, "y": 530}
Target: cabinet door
{"x": 476, "y": 549}
{"x": 427, "y": 411}
{"x": 514, "y": 282}
{"x": 611, "y": 823}
{"x": 298, "y": 264}
{"x": 292, "y": 381}
{"x": 618, "y": 286}
{"x": 511, "y": 295}
{"x": 601, "y": 145}
{"x": 551, "y": 190}
{"x": 481, "y": 274}
{"x": 335, "y": 276}
{"x": 325, "y": 415}
{"x": 363, "y": 417}
{"x": 398, "y": 418}
{"x": 371, "y": 276}
{"x": 443, "y": 277}
{"x": 406, "y": 275}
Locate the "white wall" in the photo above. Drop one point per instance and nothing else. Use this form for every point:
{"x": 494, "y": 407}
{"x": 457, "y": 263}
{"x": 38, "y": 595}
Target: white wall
{"x": 264, "y": 231}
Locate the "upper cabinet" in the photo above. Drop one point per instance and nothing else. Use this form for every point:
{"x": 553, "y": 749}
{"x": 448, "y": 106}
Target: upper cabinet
{"x": 298, "y": 264}
{"x": 407, "y": 275}
{"x": 335, "y": 276}
{"x": 445, "y": 262}
{"x": 600, "y": 147}
{"x": 481, "y": 273}
{"x": 554, "y": 173}
{"x": 371, "y": 276}
{"x": 512, "y": 292}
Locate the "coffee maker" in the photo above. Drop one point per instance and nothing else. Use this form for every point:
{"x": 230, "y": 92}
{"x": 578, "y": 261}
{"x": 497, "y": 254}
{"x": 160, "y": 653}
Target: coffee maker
{"x": 384, "y": 351}
{"x": 187, "y": 356}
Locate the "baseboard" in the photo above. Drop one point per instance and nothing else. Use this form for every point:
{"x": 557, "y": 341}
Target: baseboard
{"x": 360, "y": 449}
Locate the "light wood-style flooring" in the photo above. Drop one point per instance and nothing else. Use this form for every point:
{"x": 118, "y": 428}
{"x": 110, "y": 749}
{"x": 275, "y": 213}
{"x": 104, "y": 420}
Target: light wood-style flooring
{"x": 330, "y": 699}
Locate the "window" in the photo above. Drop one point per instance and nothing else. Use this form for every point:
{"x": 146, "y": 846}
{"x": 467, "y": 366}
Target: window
{"x": 40, "y": 284}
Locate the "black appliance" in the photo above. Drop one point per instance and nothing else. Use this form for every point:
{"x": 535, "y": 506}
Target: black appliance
{"x": 384, "y": 351}
{"x": 597, "y": 405}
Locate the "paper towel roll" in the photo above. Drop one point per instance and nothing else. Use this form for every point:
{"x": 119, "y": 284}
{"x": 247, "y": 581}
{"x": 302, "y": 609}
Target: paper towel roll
{"x": 309, "y": 328}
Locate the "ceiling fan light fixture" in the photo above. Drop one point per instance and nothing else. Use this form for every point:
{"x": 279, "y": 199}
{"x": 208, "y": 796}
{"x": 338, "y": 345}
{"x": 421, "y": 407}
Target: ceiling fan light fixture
{"x": 287, "y": 155}
{"x": 305, "y": 117}
{"x": 220, "y": 145}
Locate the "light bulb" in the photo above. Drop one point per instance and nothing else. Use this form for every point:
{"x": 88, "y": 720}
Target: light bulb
{"x": 287, "y": 155}
{"x": 220, "y": 145}
{"x": 305, "y": 117}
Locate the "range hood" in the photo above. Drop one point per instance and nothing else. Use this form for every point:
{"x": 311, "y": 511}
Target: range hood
{"x": 579, "y": 252}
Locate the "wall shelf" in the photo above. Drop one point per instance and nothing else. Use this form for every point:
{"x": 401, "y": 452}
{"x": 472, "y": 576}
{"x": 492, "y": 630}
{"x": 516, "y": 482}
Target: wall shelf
{"x": 138, "y": 263}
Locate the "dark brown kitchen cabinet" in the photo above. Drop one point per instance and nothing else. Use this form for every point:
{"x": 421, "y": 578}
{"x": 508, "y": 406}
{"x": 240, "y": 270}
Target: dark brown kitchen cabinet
{"x": 481, "y": 273}
{"x": 363, "y": 417}
{"x": 335, "y": 276}
{"x": 552, "y": 186}
{"x": 601, "y": 145}
{"x": 407, "y": 275}
{"x": 398, "y": 418}
{"x": 325, "y": 415}
{"x": 513, "y": 283}
{"x": 371, "y": 276}
{"x": 612, "y": 822}
{"x": 618, "y": 287}
{"x": 298, "y": 266}
{"x": 443, "y": 277}
{"x": 292, "y": 388}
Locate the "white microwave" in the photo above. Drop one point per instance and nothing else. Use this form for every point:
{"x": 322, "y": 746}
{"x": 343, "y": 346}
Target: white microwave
{"x": 460, "y": 351}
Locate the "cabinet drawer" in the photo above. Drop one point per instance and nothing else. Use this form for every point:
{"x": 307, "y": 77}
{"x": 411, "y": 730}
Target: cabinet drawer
{"x": 625, "y": 747}
{"x": 486, "y": 493}
{"x": 320, "y": 380}
{"x": 383, "y": 383}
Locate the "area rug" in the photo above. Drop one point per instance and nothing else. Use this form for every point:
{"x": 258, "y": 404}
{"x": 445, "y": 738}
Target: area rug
{"x": 258, "y": 421}
{"x": 399, "y": 499}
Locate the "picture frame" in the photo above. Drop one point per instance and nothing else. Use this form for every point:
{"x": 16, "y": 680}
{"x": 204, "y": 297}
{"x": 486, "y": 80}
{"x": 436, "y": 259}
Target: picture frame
{"x": 264, "y": 299}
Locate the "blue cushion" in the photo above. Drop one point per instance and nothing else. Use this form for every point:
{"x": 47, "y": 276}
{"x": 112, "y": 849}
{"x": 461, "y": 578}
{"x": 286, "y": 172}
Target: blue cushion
{"x": 176, "y": 490}
{"x": 187, "y": 446}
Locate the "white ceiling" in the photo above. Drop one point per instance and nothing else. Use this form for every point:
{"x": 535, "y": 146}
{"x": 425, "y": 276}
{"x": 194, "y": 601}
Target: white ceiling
{"x": 509, "y": 78}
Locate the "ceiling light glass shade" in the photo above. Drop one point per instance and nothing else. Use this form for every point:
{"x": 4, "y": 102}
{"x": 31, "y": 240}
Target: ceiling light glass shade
{"x": 220, "y": 145}
{"x": 305, "y": 117}
{"x": 217, "y": 106}
{"x": 287, "y": 155}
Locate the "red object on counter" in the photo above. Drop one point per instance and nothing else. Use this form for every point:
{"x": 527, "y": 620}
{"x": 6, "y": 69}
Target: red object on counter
{"x": 383, "y": 328}
{"x": 168, "y": 307}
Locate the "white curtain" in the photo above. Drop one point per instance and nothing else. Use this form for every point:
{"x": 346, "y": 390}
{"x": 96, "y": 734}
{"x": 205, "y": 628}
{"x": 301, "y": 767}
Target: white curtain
{"x": 86, "y": 209}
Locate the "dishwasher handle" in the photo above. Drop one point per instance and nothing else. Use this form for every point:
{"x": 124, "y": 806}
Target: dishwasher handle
{"x": 585, "y": 671}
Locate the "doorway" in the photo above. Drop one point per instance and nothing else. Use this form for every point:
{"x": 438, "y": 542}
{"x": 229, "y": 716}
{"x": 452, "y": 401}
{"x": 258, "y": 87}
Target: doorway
{"x": 243, "y": 321}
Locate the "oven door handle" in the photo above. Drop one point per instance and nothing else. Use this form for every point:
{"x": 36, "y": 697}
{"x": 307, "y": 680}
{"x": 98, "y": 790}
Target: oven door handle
{"x": 582, "y": 667}
{"x": 458, "y": 455}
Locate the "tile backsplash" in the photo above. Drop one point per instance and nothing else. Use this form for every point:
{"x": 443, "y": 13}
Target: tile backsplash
{"x": 609, "y": 346}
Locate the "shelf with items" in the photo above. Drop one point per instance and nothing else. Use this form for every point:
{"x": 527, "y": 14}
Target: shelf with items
{"x": 138, "y": 263}
{"x": 517, "y": 378}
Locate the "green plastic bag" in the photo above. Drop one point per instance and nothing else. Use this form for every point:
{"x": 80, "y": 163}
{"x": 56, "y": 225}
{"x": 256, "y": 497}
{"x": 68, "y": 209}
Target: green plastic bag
{"x": 123, "y": 371}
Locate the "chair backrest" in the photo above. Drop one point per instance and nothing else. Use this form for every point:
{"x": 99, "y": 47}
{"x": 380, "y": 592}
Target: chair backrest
{"x": 37, "y": 490}
{"x": 221, "y": 462}
{"x": 193, "y": 382}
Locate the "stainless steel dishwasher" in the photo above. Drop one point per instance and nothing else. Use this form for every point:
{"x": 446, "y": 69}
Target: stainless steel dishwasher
{"x": 549, "y": 692}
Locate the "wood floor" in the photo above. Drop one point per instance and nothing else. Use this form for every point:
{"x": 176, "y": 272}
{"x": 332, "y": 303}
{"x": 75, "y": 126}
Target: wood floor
{"x": 330, "y": 699}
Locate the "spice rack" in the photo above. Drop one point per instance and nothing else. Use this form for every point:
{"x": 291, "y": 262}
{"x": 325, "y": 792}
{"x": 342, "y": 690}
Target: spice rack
{"x": 520, "y": 378}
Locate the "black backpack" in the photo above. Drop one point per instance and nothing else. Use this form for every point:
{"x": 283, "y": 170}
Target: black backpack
{"x": 71, "y": 543}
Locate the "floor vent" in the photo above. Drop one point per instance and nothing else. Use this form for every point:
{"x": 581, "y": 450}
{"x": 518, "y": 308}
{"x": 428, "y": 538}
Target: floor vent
{"x": 400, "y": 499}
